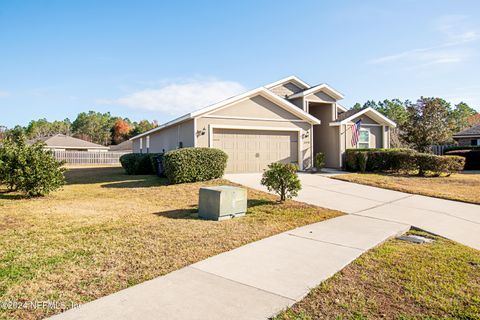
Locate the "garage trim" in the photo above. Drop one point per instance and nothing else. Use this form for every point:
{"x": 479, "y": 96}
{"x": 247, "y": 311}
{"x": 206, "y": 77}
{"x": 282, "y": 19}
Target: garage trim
{"x": 224, "y": 126}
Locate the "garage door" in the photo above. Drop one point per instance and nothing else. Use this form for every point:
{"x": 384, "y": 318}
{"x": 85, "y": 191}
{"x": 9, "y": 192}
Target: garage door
{"x": 253, "y": 150}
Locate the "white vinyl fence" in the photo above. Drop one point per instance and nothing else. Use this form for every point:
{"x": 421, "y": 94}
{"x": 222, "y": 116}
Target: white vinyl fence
{"x": 438, "y": 148}
{"x": 89, "y": 157}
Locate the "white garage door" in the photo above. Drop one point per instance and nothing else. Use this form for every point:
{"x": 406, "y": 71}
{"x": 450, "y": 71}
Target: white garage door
{"x": 253, "y": 150}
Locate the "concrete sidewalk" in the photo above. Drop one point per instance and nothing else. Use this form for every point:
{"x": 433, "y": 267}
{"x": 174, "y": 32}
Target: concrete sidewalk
{"x": 260, "y": 279}
{"x": 451, "y": 219}
{"x": 255, "y": 281}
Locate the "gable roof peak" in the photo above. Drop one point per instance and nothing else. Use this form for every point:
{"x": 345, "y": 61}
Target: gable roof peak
{"x": 291, "y": 78}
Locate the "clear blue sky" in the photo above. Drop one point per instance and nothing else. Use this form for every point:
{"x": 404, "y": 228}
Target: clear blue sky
{"x": 157, "y": 59}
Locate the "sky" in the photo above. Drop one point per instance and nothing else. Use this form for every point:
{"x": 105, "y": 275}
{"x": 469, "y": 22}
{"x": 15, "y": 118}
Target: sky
{"x": 157, "y": 60}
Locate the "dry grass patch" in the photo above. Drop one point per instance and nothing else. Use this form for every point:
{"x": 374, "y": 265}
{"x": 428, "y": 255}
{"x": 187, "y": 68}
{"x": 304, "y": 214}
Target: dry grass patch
{"x": 460, "y": 187}
{"x": 106, "y": 231}
{"x": 400, "y": 280}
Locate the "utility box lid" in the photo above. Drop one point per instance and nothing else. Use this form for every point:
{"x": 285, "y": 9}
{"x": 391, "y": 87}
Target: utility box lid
{"x": 222, "y": 202}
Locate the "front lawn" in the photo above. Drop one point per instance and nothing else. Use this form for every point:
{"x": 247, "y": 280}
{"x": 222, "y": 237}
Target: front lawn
{"x": 106, "y": 231}
{"x": 400, "y": 280}
{"x": 461, "y": 187}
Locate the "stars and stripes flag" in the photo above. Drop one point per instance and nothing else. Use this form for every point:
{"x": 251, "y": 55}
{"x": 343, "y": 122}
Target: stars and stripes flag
{"x": 356, "y": 132}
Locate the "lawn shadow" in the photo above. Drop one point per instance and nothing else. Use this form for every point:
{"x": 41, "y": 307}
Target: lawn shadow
{"x": 187, "y": 214}
{"x": 11, "y": 195}
{"x": 259, "y": 202}
{"x": 192, "y": 214}
{"x": 111, "y": 177}
{"x": 138, "y": 183}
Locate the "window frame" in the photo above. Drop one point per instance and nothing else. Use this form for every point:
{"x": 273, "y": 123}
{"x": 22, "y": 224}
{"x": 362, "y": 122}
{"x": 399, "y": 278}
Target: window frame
{"x": 359, "y": 138}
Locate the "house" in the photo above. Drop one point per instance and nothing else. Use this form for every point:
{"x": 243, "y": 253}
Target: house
{"x": 125, "y": 146}
{"x": 468, "y": 137}
{"x": 61, "y": 142}
{"x": 285, "y": 121}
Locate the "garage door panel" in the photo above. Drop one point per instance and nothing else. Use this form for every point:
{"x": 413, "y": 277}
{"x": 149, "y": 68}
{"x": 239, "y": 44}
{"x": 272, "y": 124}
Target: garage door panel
{"x": 253, "y": 150}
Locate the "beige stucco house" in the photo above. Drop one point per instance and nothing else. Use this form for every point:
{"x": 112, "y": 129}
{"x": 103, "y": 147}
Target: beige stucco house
{"x": 285, "y": 121}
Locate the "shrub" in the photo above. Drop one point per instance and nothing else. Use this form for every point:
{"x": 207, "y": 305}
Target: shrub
{"x": 380, "y": 159}
{"x": 362, "y": 161}
{"x": 436, "y": 165}
{"x": 29, "y": 168}
{"x": 456, "y": 148}
{"x": 282, "y": 179}
{"x": 472, "y": 158}
{"x": 319, "y": 160}
{"x": 194, "y": 164}
{"x": 401, "y": 160}
{"x": 139, "y": 163}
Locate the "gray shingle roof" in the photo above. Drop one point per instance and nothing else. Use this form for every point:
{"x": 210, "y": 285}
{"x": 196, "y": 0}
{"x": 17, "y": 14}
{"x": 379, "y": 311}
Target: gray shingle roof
{"x": 473, "y": 131}
{"x": 61, "y": 140}
{"x": 124, "y": 146}
{"x": 347, "y": 114}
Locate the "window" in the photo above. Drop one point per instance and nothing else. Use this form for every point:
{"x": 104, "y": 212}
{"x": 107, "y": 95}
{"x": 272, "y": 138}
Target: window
{"x": 148, "y": 143}
{"x": 364, "y": 139}
{"x": 141, "y": 145}
{"x": 475, "y": 142}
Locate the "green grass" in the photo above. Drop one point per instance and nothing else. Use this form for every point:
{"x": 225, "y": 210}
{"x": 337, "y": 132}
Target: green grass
{"x": 400, "y": 280}
{"x": 106, "y": 231}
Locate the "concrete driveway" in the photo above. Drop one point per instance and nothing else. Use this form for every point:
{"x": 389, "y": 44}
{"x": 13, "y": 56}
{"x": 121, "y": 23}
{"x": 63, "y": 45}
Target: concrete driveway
{"x": 451, "y": 219}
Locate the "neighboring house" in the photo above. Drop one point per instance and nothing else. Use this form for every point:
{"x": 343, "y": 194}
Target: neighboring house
{"x": 123, "y": 146}
{"x": 468, "y": 137}
{"x": 61, "y": 142}
{"x": 285, "y": 121}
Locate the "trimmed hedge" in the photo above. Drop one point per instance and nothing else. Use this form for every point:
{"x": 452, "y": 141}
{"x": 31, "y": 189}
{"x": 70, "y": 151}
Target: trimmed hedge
{"x": 194, "y": 164}
{"x": 140, "y": 163}
{"x": 379, "y": 159}
{"x": 401, "y": 160}
{"x": 472, "y": 158}
{"x": 438, "y": 164}
{"x": 456, "y": 148}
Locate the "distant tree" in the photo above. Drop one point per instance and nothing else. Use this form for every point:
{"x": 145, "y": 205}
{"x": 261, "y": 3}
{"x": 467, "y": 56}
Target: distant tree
{"x": 460, "y": 115}
{"x": 473, "y": 120}
{"x": 370, "y": 104}
{"x": 42, "y": 127}
{"x": 357, "y": 106}
{"x": 15, "y": 134}
{"x": 143, "y": 126}
{"x": 120, "y": 130}
{"x": 3, "y": 130}
{"x": 427, "y": 123}
{"x": 395, "y": 110}
{"x": 94, "y": 126}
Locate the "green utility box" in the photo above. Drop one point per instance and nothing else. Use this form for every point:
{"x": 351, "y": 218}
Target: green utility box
{"x": 222, "y": 202}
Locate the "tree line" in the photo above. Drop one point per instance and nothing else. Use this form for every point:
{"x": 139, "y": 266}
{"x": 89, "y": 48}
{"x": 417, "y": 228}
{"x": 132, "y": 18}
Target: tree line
{"x": 425, "y": 122}
{"x": 96, "y": 127}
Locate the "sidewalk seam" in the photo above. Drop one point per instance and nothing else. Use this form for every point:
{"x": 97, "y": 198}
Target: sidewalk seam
{"x": 327, "y": 242}
{"x": 240, "y": 283}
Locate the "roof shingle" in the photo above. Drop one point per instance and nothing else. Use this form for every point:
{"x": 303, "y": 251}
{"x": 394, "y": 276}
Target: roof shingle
{"x": 473, "y": 131}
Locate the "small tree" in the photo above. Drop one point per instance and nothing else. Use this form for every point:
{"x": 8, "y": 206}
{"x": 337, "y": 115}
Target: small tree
{"x": 29, "y": 168}
{"x": 282, "y": 179}
{"x": 428, "y": 123}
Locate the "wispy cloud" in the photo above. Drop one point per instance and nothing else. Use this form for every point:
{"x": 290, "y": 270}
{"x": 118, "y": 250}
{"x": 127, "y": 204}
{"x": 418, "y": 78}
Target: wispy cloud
{"x": 179, "y": 97}
{"x": 456, "y": 33}
{"x": 4, "y": 94}
{"x": 469, "y": 94}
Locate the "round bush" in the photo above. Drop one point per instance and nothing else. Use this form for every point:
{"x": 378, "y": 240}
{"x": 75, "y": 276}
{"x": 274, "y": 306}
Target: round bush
{"x": 194, "y": 164}
{"x": 29, "y": 168}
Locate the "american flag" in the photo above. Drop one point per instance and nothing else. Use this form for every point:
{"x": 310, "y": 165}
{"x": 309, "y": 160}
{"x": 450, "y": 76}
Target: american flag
{"x": 356, "y": 132}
